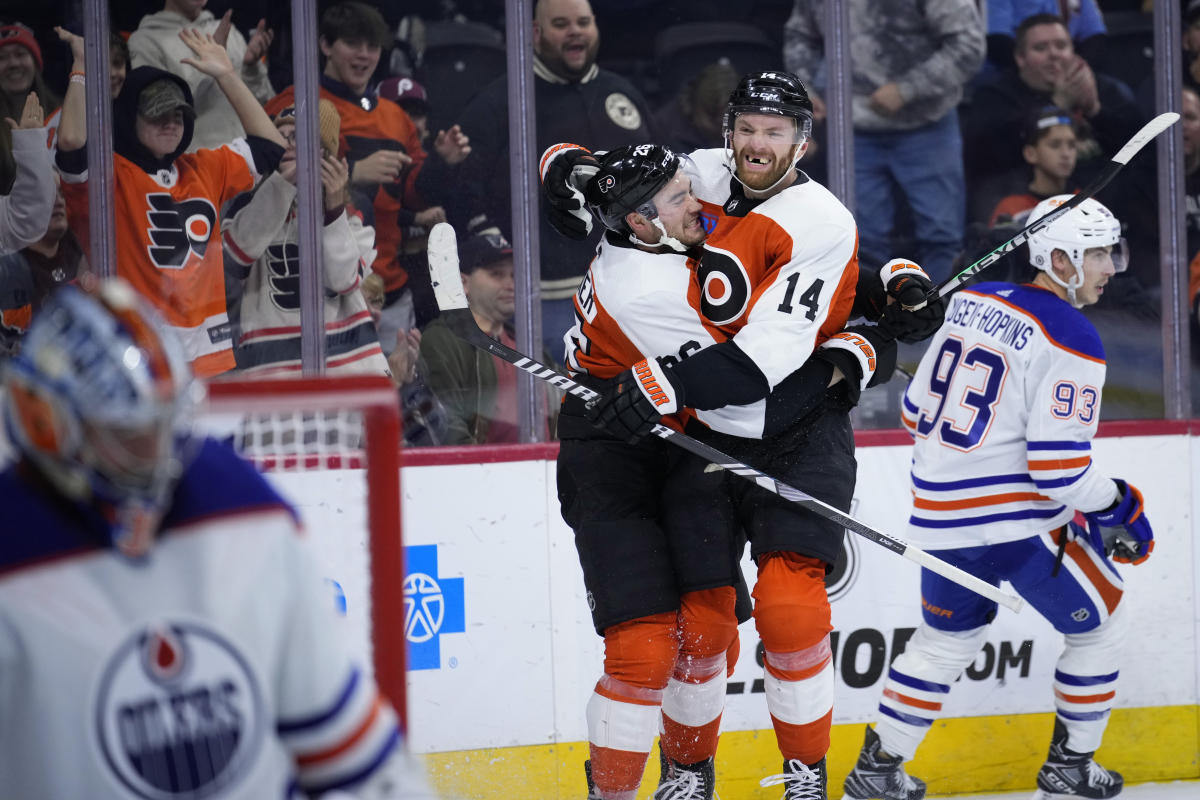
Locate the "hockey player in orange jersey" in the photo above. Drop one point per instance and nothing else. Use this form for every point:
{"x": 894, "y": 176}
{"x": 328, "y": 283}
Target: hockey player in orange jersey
{"x": 167, "y": 203}
{"x": 777, "y": 279}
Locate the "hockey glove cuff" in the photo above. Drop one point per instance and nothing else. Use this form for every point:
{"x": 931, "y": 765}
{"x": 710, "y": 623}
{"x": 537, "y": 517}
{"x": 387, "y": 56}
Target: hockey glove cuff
{"x": 1122, "y": 530}
{"x": 865, "y": 354}
{"x": 565, "y": 169}
{"x": 870, "y": 296}
{"x": 633, "y": 405}
{"x": 915, "y": 315}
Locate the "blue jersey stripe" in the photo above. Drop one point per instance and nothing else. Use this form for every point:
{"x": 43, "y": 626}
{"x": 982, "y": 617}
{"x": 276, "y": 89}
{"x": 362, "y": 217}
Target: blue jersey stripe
{"x": 1031, "y": 513}
{"x": 1058, "y": 445}
{"x": 1084, "y": 680}
{"x": 393, "y": 740}
{"x": 907, "y": 719}
{"x": 1066, "y": 480}
{"x": 969, "y": 483}
{"x": 917, "y": 683}
{"x": 285, "y": 727}
{"x": 1081, "y": 716}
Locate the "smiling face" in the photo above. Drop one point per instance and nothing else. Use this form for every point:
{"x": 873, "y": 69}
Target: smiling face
{"x": 17, "y": 69}
{"x": 162, "y": 135}
{"x": 679, "y": 211}
{"x": 565, "y": 37}
{"x": 351, "y": 62}
{"x": 764, "y": 148}
{"x": 1043, "y": 55}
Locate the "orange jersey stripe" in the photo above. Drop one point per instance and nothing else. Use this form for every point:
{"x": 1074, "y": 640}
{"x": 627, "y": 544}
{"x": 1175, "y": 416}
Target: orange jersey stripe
{"x": 976, "y": 502}
{"x": 1109, "y": 593}
{"x": 333, "y": 752}
{"x": 928, "y": 705}
{"x": 1085, "y": 698}
{"x": 1061, "y": 463}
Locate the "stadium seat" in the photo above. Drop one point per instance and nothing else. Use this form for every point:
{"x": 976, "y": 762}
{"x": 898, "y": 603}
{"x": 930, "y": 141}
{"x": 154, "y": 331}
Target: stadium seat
{"x": 681, "y": 51}
{"x": 458, "y": 59}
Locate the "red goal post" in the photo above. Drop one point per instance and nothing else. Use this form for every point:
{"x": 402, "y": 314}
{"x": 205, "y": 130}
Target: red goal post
{"x": 343, "y": 422}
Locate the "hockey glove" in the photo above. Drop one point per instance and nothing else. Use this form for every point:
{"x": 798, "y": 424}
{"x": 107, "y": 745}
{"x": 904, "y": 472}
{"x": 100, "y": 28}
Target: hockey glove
{"x": 631, "y": 407}
{"x": 565, "y": 170}
{"x": 870, "y": 296}
{"x": 1122, "y": 530}
{"x": 915, "y": 316}
{"x": 865, "y": 354}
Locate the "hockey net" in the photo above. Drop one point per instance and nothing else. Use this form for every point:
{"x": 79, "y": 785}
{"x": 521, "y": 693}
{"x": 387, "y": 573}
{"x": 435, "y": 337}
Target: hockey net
{"x": 332, "y": 448}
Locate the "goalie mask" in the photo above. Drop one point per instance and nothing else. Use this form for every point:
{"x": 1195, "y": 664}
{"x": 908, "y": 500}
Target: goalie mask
{"x": 627, "y": 182}
{"x": 776, "y": 93}
{"x": 96, "y": 402}
{"x": 1087, "y": 225}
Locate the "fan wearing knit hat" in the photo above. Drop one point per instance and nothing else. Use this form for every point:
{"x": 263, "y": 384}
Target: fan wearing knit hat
{"x": 20, "y": 73}
{"x": 262, "y": 250}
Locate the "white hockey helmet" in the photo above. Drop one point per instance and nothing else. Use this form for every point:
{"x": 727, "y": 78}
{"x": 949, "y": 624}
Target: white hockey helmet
{"x": 1090, "y": 224}
{"x": 98, "y": 400}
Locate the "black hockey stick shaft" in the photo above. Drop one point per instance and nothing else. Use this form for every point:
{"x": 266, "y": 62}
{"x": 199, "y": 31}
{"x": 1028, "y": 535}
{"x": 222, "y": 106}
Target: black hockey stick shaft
{"x": 1147, "y": 133}
{"x": 447, "y": 287}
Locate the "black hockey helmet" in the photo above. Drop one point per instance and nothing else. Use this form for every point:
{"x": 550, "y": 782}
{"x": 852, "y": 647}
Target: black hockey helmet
{"x": 772, "y": 92}
{"x": 627, "y": 181}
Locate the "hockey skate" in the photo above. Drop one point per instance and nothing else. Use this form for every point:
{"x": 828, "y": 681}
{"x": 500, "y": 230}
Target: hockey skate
{"x": 1067, "y": 774}
{"x": 592, "y": 794}
{"x": 685, "y": 781}
{"x": 800, "y": 781}
{"x": 880, "y": 777}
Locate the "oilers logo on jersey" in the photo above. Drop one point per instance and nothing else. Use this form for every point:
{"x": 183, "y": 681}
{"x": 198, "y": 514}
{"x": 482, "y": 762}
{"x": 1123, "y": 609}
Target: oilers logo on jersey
{"x": 178, "y": 229}
{"x": 178, "y": 712}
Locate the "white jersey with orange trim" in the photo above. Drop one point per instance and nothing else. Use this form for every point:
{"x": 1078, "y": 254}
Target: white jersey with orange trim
{"x": 1003, "y": 408}
{"x": 212, "y": 666}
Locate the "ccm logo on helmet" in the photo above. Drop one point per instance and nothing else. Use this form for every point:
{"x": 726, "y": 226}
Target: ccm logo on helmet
{"x": 650, "y": 386}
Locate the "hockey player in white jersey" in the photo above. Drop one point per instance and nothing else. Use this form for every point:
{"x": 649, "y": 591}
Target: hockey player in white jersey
{"x": 1003, "y": 408}
{"x": 164, "y": 631}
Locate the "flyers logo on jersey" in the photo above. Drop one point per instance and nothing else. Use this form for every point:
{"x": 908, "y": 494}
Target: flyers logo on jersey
{"x": 179, "y": 713}
{"x": 178, "y": 229}
{"x": 283, "y": 275}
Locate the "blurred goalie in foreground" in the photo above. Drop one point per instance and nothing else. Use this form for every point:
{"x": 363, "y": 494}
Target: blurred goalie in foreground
{"x": 163, "y": 627}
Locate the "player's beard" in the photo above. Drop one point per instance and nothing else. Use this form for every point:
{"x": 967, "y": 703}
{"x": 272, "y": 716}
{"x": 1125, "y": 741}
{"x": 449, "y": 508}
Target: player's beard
{"x": 762, "y": 181}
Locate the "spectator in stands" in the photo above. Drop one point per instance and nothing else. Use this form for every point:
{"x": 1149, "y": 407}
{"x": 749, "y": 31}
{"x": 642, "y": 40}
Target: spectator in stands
{"x": 20, "y": 74}
{"x": 156, "y": 43}
{"x": 118, "y": 63}
{"x": 1191, "y": 44}
{"x": 415, "y": 225}
{"x": 911, "y": 60}
{"x": 29, "y": 275}
{"x": 412, "y": 97}
{"x": 1049, "y": 150}
{"x": 1085, "y": 24}
{"x": 166, "y": 202}
{"x": 478, "y": 390}
{"x": 576, "y": 101}
{"x": 389, "y": 170}
{"x": 262, "y": 261}
{"x": 1190, "y": 118}
{"x": 693, "y": 118}
{"x": 1046, "y": 72}
{"x": 26, "y": 205}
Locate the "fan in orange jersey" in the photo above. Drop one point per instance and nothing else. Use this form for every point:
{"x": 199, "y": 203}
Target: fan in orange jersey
{"x": 167, "y": 203}
{"x": 387, "y": 162}
{"x": 776, "y": 279}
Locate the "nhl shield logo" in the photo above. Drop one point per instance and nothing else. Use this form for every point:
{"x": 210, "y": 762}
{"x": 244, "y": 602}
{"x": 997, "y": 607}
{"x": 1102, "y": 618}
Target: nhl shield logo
{"x": 179, "y": 713}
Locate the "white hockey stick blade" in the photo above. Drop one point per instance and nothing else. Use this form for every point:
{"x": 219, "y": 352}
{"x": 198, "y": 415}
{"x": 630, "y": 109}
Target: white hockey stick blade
{"x": 443, "y": 270}
{"x": 443, "y": 267}
{"x": 1151, "y": 129}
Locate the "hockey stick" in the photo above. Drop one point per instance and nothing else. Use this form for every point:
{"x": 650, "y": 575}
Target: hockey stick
{"x": 1139, "y": 140}
{"x": 447, "y": 288}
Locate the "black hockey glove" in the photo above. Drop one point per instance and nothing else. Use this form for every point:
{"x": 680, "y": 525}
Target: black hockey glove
{"x": 566, "y": 169}
{"x": 635, "y": 402}
{"x": 865, "y": 354}
{"x": 1122, "y": 530}
{"x": 910, "y": 287}
{"x": 870, "y": 296}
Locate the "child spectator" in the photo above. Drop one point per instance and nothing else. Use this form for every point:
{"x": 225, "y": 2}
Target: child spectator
{"x": 156, "y": 43}
{"x": 118, "y": 68}
{"x": 166, "y": 202}
{"x": 20, "y": 73}
{"x": 410, "y": 96}
{"x": 29, "y": 275}
{"x": 1049, "y": 150}
{"x": 388, "y": 166}
{"x": 262, "y": 260}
